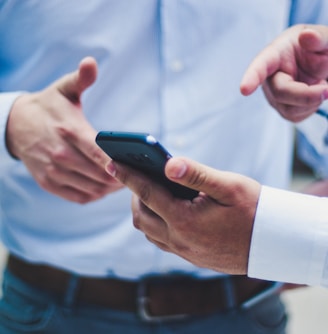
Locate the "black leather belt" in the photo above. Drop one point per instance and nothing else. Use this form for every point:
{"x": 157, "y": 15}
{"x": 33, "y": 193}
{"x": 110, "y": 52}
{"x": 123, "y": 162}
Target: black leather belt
{"x": 154, "y": 298}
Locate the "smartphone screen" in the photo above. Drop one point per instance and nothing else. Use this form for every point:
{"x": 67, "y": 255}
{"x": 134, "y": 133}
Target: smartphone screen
{"x": 144, "y": 153}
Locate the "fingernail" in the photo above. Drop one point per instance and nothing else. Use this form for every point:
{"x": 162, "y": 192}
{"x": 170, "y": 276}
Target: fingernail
{"x": 111, "y": 169}
{"x": 179, "y": 170}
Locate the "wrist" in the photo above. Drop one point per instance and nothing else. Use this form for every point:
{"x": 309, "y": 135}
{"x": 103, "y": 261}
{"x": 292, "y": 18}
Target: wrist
{"x": 13, "y": 128}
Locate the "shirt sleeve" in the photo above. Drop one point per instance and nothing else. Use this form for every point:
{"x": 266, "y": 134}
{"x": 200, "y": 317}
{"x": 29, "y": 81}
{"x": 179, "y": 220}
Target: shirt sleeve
{"x": 290, "y": 238}
{"x": 6, "y": 102}
{"x": 314, "y": 11}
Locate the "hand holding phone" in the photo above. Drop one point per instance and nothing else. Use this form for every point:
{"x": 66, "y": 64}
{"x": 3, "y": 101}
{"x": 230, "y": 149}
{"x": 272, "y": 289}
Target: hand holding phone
{"x": 144, "y": 153}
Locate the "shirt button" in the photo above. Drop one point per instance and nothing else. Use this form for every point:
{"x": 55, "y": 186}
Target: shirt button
{"x": 176, "y": 65}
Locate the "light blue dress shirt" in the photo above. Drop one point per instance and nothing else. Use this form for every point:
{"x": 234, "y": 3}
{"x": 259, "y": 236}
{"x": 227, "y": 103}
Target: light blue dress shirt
{"x": 170, "y": 68}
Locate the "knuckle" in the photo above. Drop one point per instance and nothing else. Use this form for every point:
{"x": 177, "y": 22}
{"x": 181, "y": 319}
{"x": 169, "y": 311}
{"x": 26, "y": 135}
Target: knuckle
{"x": 311, "y": 100}
{"x": 293, "y": 114}
{"x": 197, "y": 179}
{"x": 50, "y": 173}
{"x": 98, "y": 155}
{"x": 67, "y": 132}
{"x": 144, "y": 192}
{"x": 81, "y": 197}
{"x": 44, "y": 182}
{"x": 288, "y": 112}
{"x": 99, "y": 189}
{"x": 136, "y": 220}
{"x": 50, "y": 169}
{"x": 60, "y": 154}
{"x": 279, "y": 92}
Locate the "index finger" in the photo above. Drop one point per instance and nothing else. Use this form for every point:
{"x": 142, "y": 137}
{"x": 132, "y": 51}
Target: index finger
{"x": 151, "y": 193}
{"x": 265, "y": 64}
{"x": 83, "y": 141}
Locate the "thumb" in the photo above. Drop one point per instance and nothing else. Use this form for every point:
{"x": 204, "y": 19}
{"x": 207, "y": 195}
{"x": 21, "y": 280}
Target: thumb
{"x": 219, "y": 185}
{"x": 196, "y": 176}
{"x": 315, "y": 39}
{"x": 73, "y": 84}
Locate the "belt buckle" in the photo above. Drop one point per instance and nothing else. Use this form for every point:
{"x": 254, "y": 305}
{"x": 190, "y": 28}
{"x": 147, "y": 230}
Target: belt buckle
{"x": 275, "y": 287}
{"x": 143, "y": 303}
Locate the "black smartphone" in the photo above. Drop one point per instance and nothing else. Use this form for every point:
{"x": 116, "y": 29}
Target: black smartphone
{"x": 144, "y": 153}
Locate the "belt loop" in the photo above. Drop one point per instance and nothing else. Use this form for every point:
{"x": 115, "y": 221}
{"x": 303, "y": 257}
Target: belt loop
{"x": 71, "y": 291}
{"x": 229, "y": 292}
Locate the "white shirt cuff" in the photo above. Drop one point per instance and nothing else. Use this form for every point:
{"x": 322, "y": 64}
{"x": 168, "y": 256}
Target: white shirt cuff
{"x": 290, "y": 238}
{"x": 6, "y": 102}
